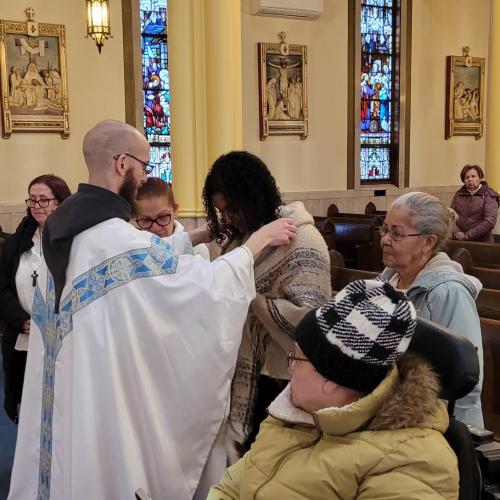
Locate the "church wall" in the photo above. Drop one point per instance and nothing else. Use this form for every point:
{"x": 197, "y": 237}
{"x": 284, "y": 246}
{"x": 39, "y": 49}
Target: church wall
{"x": 96, "y": 91}
{"x": 315, "y": 169}
{"x": 318, "y": 162}
{"x": 439, "y": 29}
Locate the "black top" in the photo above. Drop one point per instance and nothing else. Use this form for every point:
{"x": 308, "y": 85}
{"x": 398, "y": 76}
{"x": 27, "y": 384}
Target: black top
{"x": 89, "y": 206}
{"x": 10, "y": 309}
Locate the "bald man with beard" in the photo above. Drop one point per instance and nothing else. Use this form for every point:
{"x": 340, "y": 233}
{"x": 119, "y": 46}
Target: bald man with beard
{"x": 133, "y": 342}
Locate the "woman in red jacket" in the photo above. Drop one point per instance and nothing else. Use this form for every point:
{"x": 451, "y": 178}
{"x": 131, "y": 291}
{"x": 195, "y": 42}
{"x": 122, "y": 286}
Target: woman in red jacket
{"x": 476, "y": 205}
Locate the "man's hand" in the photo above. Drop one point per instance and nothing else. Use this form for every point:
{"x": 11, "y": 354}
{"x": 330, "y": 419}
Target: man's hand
{"x": 26, "y": 326}
{"x": 200, "y": 235}
{"x": 277, "y": 233}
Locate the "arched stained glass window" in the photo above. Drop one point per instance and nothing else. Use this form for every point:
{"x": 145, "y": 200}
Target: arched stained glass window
{"x": 379, "y": 91}
{"x": 156, "y": 89}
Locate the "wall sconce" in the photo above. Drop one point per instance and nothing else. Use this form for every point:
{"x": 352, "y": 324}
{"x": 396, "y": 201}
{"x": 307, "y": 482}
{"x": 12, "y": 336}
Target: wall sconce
{"x": 98, "y": 21}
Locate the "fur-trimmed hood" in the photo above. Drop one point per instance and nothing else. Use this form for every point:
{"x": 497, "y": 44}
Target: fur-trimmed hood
{"x": 406, "y": 398}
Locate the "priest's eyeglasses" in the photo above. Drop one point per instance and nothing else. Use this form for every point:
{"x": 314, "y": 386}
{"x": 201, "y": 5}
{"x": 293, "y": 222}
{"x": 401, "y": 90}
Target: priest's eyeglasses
{"x": 291, "y": 358}
{"x": 162, "y": 220}
{"x": 148, "y": 168}
{"x": 395, "y": 235}
{"x": 42, "y": 202}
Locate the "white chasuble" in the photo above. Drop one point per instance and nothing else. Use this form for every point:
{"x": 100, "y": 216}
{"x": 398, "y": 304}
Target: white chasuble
{"x": 126, "y": 386}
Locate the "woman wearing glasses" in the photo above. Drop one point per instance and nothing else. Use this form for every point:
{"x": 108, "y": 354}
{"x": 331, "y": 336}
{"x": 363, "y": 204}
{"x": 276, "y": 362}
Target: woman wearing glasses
{"x": 154, "y": 210}
{"x": 20, "y": 262}
{"x": 414, "y": 232}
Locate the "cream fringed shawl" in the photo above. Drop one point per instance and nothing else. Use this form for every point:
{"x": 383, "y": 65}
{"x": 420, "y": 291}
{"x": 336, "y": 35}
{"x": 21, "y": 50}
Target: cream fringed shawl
{"x": 290, "y": 281}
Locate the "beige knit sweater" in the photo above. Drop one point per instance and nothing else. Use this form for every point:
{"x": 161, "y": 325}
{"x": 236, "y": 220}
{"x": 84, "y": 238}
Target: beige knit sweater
{"x": 290, "y": 281}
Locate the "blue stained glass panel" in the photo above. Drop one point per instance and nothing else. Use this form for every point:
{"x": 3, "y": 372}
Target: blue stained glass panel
{"x": 160, "y": 157}
{"x": 376, "y": 89}
{"x": 156, "y": 80}
{"x": 153, "y": 17}
{"x": 375, "y": 163}
{"x": 378, "y": 3}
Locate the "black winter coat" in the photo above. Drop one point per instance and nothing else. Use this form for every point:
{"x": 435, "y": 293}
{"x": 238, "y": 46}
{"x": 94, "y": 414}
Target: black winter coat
{"x": 13, "y": 314}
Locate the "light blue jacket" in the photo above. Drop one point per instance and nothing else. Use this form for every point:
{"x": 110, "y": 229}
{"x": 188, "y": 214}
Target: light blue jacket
{"x": 443, "y": 293}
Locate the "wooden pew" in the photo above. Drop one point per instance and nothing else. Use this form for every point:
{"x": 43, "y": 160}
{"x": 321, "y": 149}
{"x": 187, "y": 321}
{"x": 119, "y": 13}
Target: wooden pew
{"x": 483, "y": 254}
{"x": 490, "y": 332}
{"x": 359, "y": 242}
{"x": 372, "y": 209}
{"x": 488, "y": 303}
{"x": 342, "y": 276}
{"x": 327, "y": 229}
{"x": 333, "y": 212}
{"x": 489, "y": 277}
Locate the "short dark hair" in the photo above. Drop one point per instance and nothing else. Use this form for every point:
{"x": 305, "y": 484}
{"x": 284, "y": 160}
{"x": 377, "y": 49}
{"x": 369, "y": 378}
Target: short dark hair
{"x": 154, "y": 187}
{"x": 477, "y": 168}
{"x": 248, "y": 188}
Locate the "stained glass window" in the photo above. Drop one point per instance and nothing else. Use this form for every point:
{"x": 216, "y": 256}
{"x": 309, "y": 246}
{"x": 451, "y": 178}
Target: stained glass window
{"x": 379, "y": 90}
{"x": 154, "y": 45}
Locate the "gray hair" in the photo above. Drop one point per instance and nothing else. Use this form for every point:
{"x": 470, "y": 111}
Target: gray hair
{"x": 428, "y": 214}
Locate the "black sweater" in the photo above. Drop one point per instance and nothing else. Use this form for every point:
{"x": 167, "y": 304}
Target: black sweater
{"x": 10, "y": 309}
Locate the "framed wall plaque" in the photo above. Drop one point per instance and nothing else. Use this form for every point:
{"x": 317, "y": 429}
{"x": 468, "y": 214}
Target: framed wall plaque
{"x": 282, "y": 89}
{"x": 464, "y": 95}
{"x": 33, "y": 77}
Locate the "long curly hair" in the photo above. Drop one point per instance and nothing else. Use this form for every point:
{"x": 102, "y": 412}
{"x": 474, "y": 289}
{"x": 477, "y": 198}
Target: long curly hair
{"x": 249, "y": 191}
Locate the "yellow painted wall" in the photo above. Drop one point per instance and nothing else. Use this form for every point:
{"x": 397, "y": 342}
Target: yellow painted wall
{"x": 96, "y": 91}
{"x": 440, "y": 28}
{"x": 319, "y": 162}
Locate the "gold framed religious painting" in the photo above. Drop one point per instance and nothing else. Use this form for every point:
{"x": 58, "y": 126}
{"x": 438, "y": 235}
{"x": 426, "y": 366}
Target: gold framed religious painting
{"x": 33, "y": 77}
{"x": 464, "y": 95}
{"x": 282, "y": 89}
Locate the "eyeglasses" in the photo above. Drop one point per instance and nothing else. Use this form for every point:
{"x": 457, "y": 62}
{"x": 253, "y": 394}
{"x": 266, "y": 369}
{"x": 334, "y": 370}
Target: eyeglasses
{"x": 42, "y": 202}
{"x": 162, "y": 220}
{"x": 291, "y": 358}
{"x": 148, "y": 168}
{"x": 395, "y": 235}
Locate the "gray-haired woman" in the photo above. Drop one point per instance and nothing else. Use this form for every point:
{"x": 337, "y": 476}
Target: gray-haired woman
{"x": 414, "y": 231}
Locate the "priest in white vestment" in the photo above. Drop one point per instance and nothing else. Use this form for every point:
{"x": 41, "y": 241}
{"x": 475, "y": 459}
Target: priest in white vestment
{"x": 133, "y": 342}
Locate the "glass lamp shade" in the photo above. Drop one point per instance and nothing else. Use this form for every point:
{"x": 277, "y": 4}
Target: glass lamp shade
{"x": 98, "y": 21}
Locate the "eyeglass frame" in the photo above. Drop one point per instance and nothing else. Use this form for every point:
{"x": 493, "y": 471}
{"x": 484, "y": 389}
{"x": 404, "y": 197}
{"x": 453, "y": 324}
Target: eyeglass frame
{"x": 384, "y": 229}
{"x": 48, "y": 200}
{"x": 148, "y": 167}
{"x": 155, "y": 220}
{"x": 291, "y": 358}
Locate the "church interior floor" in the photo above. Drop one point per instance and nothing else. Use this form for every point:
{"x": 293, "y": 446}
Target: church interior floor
{"x": 7, "y": 446}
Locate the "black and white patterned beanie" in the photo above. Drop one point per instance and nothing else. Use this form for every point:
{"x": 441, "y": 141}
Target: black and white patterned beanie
{"x": 357, "y": 336}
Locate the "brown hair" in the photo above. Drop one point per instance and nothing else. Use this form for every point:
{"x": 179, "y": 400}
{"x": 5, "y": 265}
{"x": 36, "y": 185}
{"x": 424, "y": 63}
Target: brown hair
{"x": 477, "y": 168}
{"x": 154, "y": 187}
{"x": 57, "y": 185}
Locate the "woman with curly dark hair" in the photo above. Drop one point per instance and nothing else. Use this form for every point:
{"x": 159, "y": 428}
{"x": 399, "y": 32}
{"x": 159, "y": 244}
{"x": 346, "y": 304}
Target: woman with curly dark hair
{"x": 251, "y": 197}
{"x": 240, "y": 196}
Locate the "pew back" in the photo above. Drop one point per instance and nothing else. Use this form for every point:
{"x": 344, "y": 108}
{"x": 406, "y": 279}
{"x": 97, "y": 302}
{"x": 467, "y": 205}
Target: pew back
{"x": 483, "y": 254}
{"x": 327, "y": 229}
{"x": 490, "y": 331}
